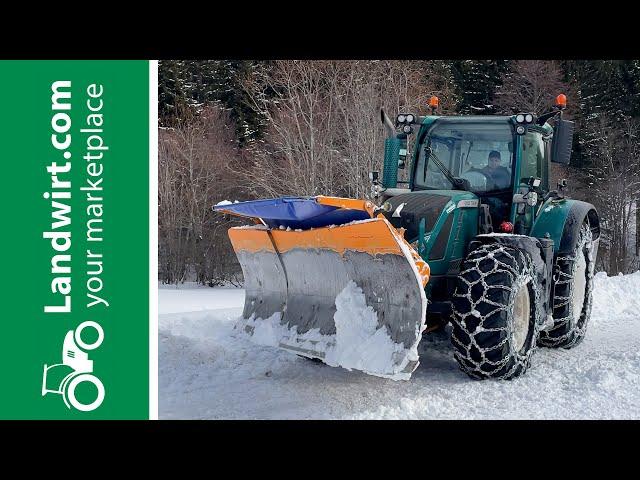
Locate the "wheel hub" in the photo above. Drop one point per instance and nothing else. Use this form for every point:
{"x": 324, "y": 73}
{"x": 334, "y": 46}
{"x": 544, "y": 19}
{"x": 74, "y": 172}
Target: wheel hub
{"x": 521, "y": 315}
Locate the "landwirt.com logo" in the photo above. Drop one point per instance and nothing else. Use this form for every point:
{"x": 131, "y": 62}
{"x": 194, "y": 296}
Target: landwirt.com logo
{"x": 74, "y": 378}
{"x": 75, "y": 373}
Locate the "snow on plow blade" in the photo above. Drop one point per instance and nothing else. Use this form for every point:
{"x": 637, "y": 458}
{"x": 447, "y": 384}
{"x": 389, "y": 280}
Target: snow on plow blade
{"x": 351, "y": 295}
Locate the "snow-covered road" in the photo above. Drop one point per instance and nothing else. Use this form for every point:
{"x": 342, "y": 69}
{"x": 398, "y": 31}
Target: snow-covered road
{"x": 206, "y": 373}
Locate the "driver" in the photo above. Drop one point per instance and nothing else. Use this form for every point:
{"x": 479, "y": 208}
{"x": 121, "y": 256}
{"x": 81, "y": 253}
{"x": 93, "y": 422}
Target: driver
{"x": 499, "y": 174}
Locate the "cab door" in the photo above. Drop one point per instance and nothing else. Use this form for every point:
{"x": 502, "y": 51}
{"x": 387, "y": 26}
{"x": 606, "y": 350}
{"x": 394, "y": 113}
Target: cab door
{"x": 534, "y": 149}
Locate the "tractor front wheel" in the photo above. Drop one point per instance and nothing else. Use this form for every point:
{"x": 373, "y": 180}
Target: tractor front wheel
{"x": 572, "y": 294}
{"x": 495, "y": 318}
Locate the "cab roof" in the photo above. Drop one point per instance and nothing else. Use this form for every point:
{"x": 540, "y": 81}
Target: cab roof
{"x": 495, "y": 119}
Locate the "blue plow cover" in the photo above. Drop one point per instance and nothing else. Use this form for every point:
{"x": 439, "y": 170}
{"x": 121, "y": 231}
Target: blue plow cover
{"x": 294, "y": 212}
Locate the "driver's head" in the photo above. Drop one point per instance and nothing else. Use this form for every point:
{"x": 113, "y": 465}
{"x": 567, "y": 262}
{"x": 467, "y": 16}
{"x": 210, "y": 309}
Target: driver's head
{"x": 494, "y": 159}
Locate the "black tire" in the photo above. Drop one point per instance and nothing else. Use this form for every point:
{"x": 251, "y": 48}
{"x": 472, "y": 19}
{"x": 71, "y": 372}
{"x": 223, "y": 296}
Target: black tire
{"x": 484, "y": 325}
{"x": 568, "y": 328}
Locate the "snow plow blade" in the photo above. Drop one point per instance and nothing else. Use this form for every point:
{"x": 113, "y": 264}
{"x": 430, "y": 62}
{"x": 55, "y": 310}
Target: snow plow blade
{"x": 351, "y": 295}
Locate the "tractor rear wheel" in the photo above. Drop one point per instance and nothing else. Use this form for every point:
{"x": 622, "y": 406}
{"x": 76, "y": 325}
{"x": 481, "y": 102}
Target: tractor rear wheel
{"x": 572, "y": 294}
{"x": 495, "y": 318}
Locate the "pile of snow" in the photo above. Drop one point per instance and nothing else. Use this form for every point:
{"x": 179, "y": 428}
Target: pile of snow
{"x": 271, "y": 333}
{"x": 358, "y": 343}
{"x": 266, "y": 332}
{"x": 206, "y": 371}
{"x": 616, "y": 298}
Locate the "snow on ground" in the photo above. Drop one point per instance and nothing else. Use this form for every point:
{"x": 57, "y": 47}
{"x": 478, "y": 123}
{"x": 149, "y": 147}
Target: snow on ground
{"x": 207, "y": 373}
{"x": 193, "y": 297}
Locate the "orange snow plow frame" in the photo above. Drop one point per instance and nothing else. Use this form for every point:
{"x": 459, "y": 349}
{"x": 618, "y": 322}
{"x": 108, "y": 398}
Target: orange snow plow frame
{"x": 371, "y": 237}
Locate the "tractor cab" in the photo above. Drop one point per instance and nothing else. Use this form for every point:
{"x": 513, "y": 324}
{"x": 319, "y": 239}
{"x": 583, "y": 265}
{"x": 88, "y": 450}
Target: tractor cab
{"x": 504, "y": 161}
{"x": 488, "y": 157}
{"x": 477, "y": 151}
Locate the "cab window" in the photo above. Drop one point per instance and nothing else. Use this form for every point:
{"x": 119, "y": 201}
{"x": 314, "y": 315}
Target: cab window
{"x": 478, "y": 152}
{"x": 533, "y": 156}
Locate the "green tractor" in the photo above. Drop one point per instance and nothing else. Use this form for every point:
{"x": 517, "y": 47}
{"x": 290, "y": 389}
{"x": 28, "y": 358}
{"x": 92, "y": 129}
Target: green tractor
{"x": 474, "y": 237}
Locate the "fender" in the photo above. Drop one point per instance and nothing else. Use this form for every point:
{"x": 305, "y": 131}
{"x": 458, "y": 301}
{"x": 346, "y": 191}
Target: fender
{"x": 561, "y": 221}
{"x": 541, "y": 252}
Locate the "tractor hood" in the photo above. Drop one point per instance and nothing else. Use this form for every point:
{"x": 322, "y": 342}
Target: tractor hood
{"x": 450, "y": 221}
{"x": 408, "y": 209}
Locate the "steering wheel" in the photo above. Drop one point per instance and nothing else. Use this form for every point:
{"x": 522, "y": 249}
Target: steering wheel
{"x": 491, "y": 183}
{"x": 489, "y": 179}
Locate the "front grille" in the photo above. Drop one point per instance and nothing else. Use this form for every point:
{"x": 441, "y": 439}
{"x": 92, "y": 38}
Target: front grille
{"x": 418, "y": 205}
{"x": 440, "y": 247}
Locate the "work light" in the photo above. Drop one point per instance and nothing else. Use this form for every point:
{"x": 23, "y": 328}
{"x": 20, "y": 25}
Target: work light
{"x": 520, "y": 118}
{"x": 402, "y": 118}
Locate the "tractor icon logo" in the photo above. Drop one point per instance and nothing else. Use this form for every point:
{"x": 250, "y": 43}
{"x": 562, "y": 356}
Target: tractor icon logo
{"x": 75, "y": 369}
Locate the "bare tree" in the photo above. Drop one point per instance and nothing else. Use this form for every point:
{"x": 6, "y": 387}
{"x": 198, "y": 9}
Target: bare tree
{"x": 324, "y": 134}
{"x": 193, "y": 175}
{"x": 363, "y": 87}
{"x": 532, "y": 86}
{"x": 613, "y": 181}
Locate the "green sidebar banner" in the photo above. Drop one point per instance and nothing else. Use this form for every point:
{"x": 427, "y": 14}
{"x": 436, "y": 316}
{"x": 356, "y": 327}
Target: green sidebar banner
{"x": 74, "y": 278}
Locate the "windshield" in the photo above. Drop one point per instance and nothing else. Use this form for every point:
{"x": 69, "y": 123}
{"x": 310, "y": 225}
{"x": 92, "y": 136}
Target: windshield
{"x": 478, "y": 152}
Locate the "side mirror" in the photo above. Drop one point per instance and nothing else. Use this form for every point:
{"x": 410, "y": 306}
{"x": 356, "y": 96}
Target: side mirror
{"x": 562, "y": 141}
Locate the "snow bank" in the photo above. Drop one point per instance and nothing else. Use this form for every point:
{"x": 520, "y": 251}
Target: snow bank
{"x": 175, "y": 299}
{"x": 616, "y": 298}
{"x": 207, "y": 372}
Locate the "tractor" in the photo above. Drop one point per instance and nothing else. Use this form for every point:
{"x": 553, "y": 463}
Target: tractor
{"x": 473, "y": 237}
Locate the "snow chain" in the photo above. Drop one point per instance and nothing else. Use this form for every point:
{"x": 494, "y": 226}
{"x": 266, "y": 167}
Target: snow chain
{"x": 505, "y": 260}
{"x": 565, "y": 267}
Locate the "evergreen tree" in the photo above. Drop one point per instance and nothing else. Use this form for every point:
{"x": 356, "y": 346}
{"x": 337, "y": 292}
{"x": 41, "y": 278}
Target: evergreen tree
{"x": 440, "y": 74}
{"x": 605, "y": 87}
{"x": 170, "y": 93}
{"x": 611, "y": 86}
{"x": 476, "y": 82}
{"x": 191, "y": 84}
